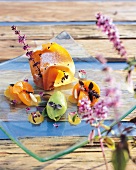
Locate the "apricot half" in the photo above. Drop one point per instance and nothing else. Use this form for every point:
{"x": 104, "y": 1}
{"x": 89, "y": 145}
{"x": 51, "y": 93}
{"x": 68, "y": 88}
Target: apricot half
{"x": 85, "y": 89}
{"x": 22, "y": 92}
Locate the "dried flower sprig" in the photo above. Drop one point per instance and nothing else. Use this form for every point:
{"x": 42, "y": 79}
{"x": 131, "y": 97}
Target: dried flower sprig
{"x": 26, "y": 47}
{"x": 107, "y": 26}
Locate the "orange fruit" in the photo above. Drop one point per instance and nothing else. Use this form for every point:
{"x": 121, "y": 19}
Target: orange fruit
{"x": 10, "y": 95}
{"x": 22, "y": 86}
{"x": 22, "y": 92}
{"x": 81, "y": 91}
{"x": 54, "y": 64}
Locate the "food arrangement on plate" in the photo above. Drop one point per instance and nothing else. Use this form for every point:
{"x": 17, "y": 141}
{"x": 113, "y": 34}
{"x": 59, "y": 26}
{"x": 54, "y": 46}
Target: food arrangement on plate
{"x": 51, "y": 67}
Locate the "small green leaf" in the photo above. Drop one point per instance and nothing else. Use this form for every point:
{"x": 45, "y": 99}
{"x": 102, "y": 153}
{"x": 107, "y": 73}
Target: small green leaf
{"x": 109, "y": 142}
{"x": 44, "y": 112}
{"x": 74, "y": 117}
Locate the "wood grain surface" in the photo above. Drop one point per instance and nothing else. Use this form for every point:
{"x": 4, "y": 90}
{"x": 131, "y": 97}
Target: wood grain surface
{"x": 65, "y": 11}
{"x": 85, "y": 158}
{"x": 92, "y": 39}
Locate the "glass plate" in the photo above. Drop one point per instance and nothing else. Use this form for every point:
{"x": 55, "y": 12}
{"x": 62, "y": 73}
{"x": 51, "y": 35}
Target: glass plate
{"x": 45, "y": 142}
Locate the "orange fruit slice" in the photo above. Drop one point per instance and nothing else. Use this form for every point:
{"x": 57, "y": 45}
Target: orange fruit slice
{"x": 10, "y": 95}
{"x": 86, "y": 88}
{"x": 22, "y": 92}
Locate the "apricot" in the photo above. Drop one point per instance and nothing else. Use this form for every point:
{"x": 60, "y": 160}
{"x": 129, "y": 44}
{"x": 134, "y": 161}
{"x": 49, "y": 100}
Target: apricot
{"x": 22, "y": 92}
{"x": 85, "y": 89}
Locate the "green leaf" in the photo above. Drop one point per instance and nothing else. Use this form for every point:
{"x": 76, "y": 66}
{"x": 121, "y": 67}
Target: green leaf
{"x": 74, "y": 117}
{"x": 44, "y": 112}
{"x": 120, "y": 158}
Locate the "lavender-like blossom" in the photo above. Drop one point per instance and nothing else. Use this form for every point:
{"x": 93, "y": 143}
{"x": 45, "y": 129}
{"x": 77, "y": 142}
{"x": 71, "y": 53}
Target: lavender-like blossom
{"x": 21, "y": 39}
{"x": 29, "y": 54}
{"x": 107, "y": 26}
{"x": 25, "y": 47}
{"x": 112, "y": 96}
{"x": 13, "y": 27}
{"x": 17, "y": 32}
{"x": 100, "y": 110}
{"x": 84, "y": 106}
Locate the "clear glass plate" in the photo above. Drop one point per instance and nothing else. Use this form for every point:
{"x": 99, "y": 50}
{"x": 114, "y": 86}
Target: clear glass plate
{"x": 45, "y": 142}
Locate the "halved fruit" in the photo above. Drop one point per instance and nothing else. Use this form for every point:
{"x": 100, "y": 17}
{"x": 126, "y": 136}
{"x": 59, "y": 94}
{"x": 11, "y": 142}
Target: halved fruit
{"x": 22, "y": 92}
{"x": 83, "y": 89}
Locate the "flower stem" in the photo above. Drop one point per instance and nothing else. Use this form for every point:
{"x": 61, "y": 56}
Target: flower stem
{"x": 102, "y": 147}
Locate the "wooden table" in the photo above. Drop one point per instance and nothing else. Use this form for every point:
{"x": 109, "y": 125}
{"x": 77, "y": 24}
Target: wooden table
{"x": 40, "y": 21}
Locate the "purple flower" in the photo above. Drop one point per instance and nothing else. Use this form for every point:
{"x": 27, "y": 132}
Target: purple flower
{"x": 13, "y": 102}
{"x": 107, "y": 26}
{"x": 56, "y": 125}
{"x": 29, "y": 53}
{"x": 112, "y": 97}
{"x": 17, "y": 32}
{"x": 27, "y": 109}
{"x": 26, "y": 80}
{"x": 21, "y": 39}
{"x": 41, "y": 93}
{"x": 25, "y": 47}
{"x": 84, "y": 106}
{"x": 100, "y": 110}
{"x": 13, "y": 27}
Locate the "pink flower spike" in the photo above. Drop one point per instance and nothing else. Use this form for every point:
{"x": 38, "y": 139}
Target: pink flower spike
{"x": 106, "y": 25}
{"x": 13, "y": 102}
{"x": 56, "y": 125}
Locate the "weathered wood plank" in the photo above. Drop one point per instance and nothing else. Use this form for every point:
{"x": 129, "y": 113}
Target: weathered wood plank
{"x": 65, "y": 11}
{"x": 46, "y": 32}
{"x": 10, "y": 49}
{"x": 84, "y": 158}
{"x": 87, "y": 35}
